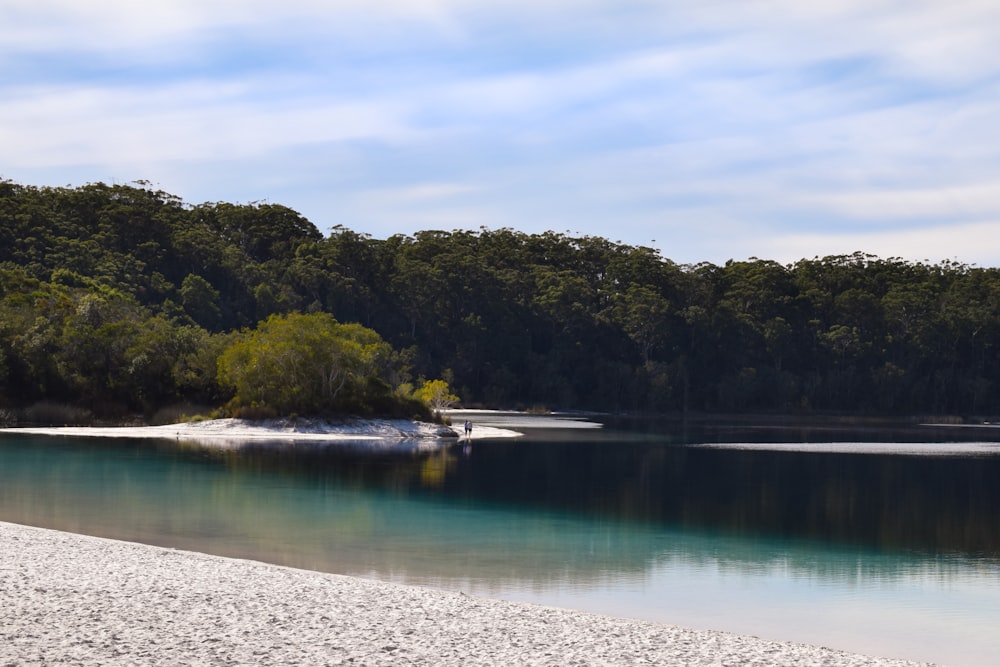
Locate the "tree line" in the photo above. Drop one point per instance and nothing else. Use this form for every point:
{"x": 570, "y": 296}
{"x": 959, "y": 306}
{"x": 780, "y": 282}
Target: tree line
{"x": 123, "y": 299}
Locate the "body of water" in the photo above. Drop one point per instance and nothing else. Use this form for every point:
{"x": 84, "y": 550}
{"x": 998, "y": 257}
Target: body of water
{"x": 819, "y": 535}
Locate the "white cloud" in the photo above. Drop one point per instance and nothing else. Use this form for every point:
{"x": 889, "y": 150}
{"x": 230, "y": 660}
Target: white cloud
{"x": 425, "y": 206}
{"x": 424, "y": 192}
{"x": 963, "y": 202}
{"x": 969, "y": 243}
{"x": 112, "y": 25}
{"x": 185, "y": 121}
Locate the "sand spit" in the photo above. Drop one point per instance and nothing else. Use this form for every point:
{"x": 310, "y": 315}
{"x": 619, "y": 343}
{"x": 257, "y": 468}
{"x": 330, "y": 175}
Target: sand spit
{"x": 91, "y": 601}
{"x": 235, "y": 432}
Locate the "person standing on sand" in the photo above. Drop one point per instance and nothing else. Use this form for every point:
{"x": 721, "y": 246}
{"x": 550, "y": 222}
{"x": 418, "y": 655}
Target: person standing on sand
{"x": 468, "y": 428}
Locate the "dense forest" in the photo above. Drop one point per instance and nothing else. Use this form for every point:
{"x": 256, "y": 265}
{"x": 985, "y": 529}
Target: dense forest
{"x": 122, "y": 299}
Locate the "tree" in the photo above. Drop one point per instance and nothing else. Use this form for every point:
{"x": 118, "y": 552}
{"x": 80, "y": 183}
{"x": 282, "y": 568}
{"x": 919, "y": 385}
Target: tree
{"x": 200, "y": 301}
{"x": 642, "y": 314}
{"x": 436, "y": 395}
{"x": 302, "y": 364}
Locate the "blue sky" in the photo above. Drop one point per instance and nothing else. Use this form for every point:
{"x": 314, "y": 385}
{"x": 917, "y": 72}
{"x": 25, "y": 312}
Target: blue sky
{"x": 710, "y": 130}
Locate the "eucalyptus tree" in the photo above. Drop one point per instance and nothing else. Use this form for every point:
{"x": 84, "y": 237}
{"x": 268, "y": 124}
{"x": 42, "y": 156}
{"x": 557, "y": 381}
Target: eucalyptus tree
{"x": 304, "y": 363}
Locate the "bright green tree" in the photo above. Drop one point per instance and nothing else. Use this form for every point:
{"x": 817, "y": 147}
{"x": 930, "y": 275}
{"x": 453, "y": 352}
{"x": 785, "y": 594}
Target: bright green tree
{"x": 302, "y": 363}
{"x": 436, "y": 394}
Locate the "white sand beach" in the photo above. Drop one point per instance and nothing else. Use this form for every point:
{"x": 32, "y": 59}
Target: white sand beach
{"x": 236, "y": 432}
{"x": 67, "y": 598}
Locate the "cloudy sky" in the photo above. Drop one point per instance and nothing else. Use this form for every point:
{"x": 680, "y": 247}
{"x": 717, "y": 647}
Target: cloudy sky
{"x": 712, "y": 130}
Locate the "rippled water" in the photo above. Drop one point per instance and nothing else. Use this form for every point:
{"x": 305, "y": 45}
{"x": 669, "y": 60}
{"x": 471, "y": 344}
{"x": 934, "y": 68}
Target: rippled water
{"x": 865, "y": 550}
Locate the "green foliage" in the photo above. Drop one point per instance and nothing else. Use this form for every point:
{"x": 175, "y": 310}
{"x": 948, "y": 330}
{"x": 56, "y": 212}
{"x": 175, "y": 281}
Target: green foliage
{"x": 200, "y": 301}
{"x": 436, "y": 395}
{"x": 303, "y": 363}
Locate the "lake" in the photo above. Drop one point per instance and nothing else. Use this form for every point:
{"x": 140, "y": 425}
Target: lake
{"x": 869, "y": 538}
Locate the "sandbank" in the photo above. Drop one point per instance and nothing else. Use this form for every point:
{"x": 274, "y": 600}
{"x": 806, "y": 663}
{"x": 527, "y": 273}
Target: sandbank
{"x": 384, "y": 433}
{"x": 93, "y": 601}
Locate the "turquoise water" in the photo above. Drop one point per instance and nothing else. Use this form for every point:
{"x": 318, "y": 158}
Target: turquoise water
{"x": 889, "y": 555}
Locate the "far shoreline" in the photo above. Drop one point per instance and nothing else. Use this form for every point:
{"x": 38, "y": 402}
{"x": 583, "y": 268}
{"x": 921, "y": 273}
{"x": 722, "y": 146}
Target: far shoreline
{"x": 233, "y": 432}
{"x": 406, "y": 434}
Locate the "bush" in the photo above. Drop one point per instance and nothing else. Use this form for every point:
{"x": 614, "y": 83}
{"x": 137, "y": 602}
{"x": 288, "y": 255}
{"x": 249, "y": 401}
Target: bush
{"x": 175, "y": 414}
{"x": 254, "y": 412}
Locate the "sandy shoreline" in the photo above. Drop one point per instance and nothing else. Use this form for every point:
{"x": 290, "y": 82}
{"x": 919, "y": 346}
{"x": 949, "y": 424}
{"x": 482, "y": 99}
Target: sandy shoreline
{"x": 221, "y": 433}
{"x": 91, "y": 601}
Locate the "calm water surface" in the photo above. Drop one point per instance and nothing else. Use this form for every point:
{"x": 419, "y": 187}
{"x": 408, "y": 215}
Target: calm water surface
{"x": 889, "y": 554}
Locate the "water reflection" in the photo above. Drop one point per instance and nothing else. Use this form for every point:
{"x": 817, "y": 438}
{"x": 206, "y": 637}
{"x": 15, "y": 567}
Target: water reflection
{"x": 936, "y": 505}
{"x": 781, "y": 544}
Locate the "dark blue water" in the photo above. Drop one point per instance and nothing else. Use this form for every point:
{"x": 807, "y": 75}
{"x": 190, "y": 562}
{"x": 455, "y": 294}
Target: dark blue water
{"x": 895, "y": 555}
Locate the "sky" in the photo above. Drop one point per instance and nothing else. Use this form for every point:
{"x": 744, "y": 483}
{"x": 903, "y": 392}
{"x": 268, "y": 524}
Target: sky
{"x": 710, "y": 130}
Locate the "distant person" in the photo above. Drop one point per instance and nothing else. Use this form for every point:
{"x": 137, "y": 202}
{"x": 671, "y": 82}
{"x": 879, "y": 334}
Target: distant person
{"x": 468, "y": 428}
